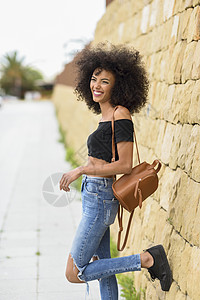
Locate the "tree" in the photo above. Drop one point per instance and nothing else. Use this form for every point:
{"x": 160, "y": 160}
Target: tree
{"x": 16, "y": 77}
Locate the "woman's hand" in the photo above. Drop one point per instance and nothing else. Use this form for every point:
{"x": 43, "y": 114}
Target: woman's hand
{"x": 69, "y": 177}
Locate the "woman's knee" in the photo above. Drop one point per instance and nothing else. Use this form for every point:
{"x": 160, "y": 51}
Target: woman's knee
{"x": 69, "y": 276}
{"x": 72, "y": 272}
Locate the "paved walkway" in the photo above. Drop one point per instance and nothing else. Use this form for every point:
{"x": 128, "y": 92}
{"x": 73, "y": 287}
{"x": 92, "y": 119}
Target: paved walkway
{"x": 35, "y": 236}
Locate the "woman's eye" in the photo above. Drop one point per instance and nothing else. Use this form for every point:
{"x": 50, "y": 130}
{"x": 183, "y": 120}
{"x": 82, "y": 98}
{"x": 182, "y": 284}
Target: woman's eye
{"x": 93, "y": 79}
{"x": 106, "y": 82}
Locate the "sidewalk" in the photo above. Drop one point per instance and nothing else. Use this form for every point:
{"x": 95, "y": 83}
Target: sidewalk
{"x": 35, "y": 237}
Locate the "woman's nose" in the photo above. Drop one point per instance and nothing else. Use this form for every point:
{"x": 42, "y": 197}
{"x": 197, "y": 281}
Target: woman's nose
{"x": 97, "y": 85}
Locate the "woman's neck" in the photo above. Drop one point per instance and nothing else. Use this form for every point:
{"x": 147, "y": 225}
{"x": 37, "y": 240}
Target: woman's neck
{"x": 106, "y": 111}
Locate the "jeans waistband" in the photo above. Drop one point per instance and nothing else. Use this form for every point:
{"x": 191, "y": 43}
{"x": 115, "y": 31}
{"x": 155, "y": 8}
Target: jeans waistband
{"x": 101, "y": 180}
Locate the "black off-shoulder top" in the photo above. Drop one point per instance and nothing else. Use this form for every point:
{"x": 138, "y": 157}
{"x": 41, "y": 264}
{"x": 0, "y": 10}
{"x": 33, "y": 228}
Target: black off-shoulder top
{"x": 99, "y": 143}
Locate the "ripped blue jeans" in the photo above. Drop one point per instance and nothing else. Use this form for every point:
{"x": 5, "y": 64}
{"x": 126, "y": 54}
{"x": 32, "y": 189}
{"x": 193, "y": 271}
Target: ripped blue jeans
{"x": 99, "y": 209}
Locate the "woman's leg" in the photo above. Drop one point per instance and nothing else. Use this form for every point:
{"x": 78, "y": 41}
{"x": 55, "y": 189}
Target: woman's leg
{"x": 98, "y": 214}
{"x": 89, "y": 233}
{"x": 108, "y": 285}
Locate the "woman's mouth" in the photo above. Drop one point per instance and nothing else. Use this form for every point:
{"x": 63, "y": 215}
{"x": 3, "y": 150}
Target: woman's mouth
{"x": 97, "y": 93}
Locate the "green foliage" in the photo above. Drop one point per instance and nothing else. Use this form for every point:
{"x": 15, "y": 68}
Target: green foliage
{"x": 62, "y": 135}
{"x": 16, "y": 77}
{"x": 113, "y": 249}
{"x": 128, "y": 290}
{"x": 70, "y": 157}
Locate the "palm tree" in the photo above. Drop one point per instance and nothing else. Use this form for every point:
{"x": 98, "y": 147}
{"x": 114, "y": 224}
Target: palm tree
{"x": 16, "y": 77}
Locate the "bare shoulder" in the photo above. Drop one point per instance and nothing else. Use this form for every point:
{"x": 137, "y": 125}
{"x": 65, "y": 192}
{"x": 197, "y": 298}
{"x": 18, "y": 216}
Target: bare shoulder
{"x": 122, "y": 113}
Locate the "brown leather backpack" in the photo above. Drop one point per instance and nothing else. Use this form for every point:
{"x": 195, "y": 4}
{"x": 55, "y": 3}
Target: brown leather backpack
{"x": 131, "y": 189}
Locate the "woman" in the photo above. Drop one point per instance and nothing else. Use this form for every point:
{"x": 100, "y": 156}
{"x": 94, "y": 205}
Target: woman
{"x": 108, "y": 77}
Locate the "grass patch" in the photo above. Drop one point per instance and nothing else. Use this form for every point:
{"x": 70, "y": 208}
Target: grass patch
{"x": 70, "y": 157}
{"x": 62, "y": 136}
{"x": 126, "y": 281}
{"x": 128, "y": 290}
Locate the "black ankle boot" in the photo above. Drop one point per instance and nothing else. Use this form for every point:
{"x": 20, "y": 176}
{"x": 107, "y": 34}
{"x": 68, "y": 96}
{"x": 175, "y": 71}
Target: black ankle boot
{"x": 160, "y": 268}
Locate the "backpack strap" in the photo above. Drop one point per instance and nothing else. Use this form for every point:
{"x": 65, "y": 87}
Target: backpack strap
{"x": 120, "y": 216}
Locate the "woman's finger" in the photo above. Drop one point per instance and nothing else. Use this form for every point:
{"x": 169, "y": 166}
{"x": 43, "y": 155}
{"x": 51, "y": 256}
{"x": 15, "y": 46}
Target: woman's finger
{"x": 61, "y": 181}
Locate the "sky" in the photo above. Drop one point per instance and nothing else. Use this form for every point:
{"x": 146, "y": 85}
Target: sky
{"x": 46, "y": 31}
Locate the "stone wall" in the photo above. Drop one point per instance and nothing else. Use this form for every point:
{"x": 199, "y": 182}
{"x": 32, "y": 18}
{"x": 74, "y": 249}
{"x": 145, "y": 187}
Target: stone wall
{"x": 167, "y": 33}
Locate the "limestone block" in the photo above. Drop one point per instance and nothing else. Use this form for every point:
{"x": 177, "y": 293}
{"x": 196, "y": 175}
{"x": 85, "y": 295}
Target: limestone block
{"x": 165, "y": 33}
{"x": 120, "y": 31}
{"x": 185, "y": 100}
{"x": 177, "y": 207}
{"x": 180, "y": 296}
{"x": 156, "y": 195}
{"x": 178, "y": 6}
{"x": 159, "y": 15}
{"x": 152, "y": 92}
{"x": 153, "y": 13}
{"x": 192, "y": 151}
{"x": 196, "y": 2}
{"x": 160, "y": 98}
{"x": 182, "y": 153}
{"x": 169, "y": 185}
{"x": 173, "y": 161}
{"x": 188, "y": 61}
{"x": 194, "y": 274}
{"x": 166, "y": 182}
{"x": 145, "y": 19}
{"x": 150, "y": 67}
{"x": 194, "y": 25}
{"x": 163, "y": 236}
{"x": 136, "y": 6}
{"x": 184, "y": 24}
{"x": 130, "y": 29}
{"x": 174, "y": 292}
{"x": 196, "y": 62}
{"x": 168, "y": 9}
{"x": 175, "y": 61}
{"x": 179, "y": 49}
{"x": 126, "y": 31}
{"x": 188, "y": 3}
{"x": 177, "y": 246}
{"x": 163, "y": 66}
{"x": 155, "y": 39}
{"x": 195, "y": 138}
{"x": 151, "y": 218}
{"x": 161, "y": 133}
{"x": 167, "y": 143}
{"x": 151, "y": 292}
{"x": 148, "y": 137}
{"x": 167, "y": 107}
{"x": 175, "y": 26}
{"x": 124, "y": 11}
{"x": 196, "y": 234}
{"x": 136, "y": 25}
{"x": 191, "y": 200}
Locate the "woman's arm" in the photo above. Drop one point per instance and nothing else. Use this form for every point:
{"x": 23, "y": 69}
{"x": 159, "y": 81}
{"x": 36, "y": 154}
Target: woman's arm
{"x": 121, "y": 166}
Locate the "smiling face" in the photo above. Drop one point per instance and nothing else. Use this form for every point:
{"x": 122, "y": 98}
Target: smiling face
{"x": 101, "y": 85}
